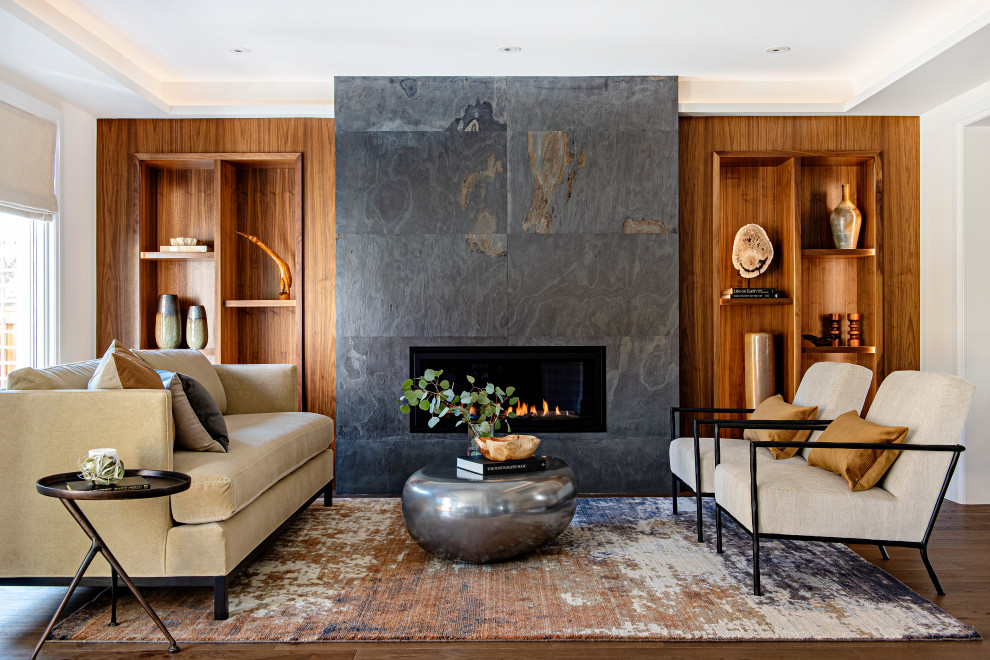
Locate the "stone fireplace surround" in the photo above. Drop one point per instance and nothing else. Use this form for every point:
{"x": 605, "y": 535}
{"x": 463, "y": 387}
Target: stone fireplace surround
{"x": 506, "y": 212}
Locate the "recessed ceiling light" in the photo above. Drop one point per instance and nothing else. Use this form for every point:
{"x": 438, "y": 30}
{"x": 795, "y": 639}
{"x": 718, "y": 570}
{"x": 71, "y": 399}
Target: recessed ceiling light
{"x": 509, "y": 49}
{"x": 239, "y": 50}
{"x": 777, "y": 49}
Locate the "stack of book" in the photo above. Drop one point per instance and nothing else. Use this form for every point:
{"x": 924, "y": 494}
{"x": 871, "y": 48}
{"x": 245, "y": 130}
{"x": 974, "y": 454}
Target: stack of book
{"x": 481, "y": 466}
{"x": 184, "y": 248}
{"x": 754, "y": 292}
{"x": 127, "y": 483}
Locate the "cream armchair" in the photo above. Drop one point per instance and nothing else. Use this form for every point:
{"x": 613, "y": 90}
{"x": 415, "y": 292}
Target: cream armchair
{"x": 792, "y": 500}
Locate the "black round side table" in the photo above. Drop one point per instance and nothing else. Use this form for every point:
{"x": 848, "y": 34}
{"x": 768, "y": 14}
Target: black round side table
{"x": 161, "y": 483}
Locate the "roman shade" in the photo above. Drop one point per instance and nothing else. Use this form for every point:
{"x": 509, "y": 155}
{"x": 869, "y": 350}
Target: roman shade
{"x": 27, "y": 164}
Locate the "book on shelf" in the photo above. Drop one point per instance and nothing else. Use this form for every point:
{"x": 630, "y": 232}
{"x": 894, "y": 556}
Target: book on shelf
{"x": 127, "y": 483}
{"x": 481, "y": 465}
{"x": 736, "y": 296}
{"x": 763, "y": 290}
{"x": 183, "y": 248}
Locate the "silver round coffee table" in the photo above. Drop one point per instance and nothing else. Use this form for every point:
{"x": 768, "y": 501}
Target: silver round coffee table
{"x": 488, "y": 519}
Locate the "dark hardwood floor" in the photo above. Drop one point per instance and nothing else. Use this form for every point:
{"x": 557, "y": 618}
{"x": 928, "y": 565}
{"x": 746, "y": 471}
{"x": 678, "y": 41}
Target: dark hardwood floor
{"x": 959, "y": 551}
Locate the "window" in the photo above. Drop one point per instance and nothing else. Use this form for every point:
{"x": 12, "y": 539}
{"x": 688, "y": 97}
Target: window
{"x": 26, "y": 294}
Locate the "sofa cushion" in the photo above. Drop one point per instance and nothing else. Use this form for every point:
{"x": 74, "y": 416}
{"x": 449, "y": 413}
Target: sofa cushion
{"x": 199, "y": 426}
{"x": 776, "y": 408}
{"x": 802, "y": 501}
{"x": 730, "y": 449}
{"x": 73, "y": 376}
{"x": 191, "y": 362}
{"x": 263, "y": 448}
{"x": 861, "y": 468}
{"x": 120, "y": 369}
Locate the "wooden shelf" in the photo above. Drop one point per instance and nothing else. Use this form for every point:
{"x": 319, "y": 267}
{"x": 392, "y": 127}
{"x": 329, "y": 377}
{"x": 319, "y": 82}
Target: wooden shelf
{"x": 839, "y": 349}
{"x": 259, "y": 303}
{"x": 755, "y": 301}
{"x": 161, "y": 256}
{"x": 839, "y": 254}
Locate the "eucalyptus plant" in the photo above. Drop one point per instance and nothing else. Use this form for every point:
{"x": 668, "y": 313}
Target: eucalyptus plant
{"x": 483, "y": 409}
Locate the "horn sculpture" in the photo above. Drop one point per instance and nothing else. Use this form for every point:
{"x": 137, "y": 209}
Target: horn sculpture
{"x": 285, "y": 277}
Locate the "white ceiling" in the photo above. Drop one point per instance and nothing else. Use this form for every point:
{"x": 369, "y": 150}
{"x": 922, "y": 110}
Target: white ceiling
{"x": 147, "y": 58}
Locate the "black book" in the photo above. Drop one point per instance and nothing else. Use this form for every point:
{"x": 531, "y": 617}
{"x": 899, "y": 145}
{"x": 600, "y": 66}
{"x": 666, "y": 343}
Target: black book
{"x": 127, "y": 483}
{"x": 481, "y": 465}
{"x": 751, "y": 290}
{"x": 775, "y": 294}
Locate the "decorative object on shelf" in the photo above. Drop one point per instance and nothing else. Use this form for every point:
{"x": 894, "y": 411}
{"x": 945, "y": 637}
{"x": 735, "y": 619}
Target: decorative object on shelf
{"x": 846, "y": 221}
{"x": 752, "y": 251}
{"x": 483, "y": 409}
{"x": 196, "y": 332}
{"x": 285, "y": 276}
{"x": 508, "y": 448}
{"x": 853, "y": 329}
{"x": 833, "y": 327}
{"x": 102, "y": 467}
{"x": 759, "y": 368}
{"x": 168, "y": 333}
{"x": 820, "y": 341}
{"x": 184, "y": 241}
{"x": 751, "y": 292}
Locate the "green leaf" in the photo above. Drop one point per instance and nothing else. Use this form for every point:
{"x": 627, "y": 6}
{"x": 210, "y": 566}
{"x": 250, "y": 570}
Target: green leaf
{"x": 407, "y": 384}
{"x": 413, "y": 399}
{"x": 429, "y": 374}
{"x": 424, "y": 405}
{"x": 511, "y": 415}
{"x": 466, "y": 398}
{"x": 509, "y": 391}
{"x": 449, "y": 395}
{"x": 444, "y": 384}
{"x": 490, "y": 388}
{"x": 459, "y": 422}
{"x": 470, "y": 379}
{"x": 433, "y": 422}
{"x": 405, "y": 409}
{"x": 507, "y": 427}
{"x": 422, "y": 384}
{"x": 499, "y": 391}
{"x": 474, "y": 397}
{"x": 513, "y": 401}
{"x": 498, "y": 425}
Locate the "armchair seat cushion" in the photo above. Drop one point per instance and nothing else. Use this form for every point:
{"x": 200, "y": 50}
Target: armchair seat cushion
{"x": 731, "y": 449}
{"x": 263, "y": 448}
{"x": 798, "y": 500}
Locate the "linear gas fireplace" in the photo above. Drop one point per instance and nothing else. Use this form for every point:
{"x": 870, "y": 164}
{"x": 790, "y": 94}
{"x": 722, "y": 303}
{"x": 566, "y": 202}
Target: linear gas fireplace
{"x": 560, "y": 389}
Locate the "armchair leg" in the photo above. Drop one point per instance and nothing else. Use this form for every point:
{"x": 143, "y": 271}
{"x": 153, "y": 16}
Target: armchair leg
{"x": 756, "y": 565}
{"x": 931, "y": 571}
{"x": 718, "y": 528}
{"x": 220, "y": 612}
{"x": 697, "y": 495}
{"x": 674, "y": 489}
{"x": 883, "y": 552}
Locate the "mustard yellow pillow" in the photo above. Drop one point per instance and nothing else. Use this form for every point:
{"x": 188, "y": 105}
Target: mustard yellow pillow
{"x": 776, "y": 408}
{"x": 120, "y": 369}
{"x": 861, "y": 468}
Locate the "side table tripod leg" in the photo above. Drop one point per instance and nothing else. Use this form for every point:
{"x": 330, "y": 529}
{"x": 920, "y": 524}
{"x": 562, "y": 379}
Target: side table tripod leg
{"x": 72, "y": 587}
{"x": 113, "y": 597}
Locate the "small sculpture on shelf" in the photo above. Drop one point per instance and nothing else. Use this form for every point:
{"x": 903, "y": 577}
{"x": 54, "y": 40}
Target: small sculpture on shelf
{"x": 834, "y": 320}
{"x": 853, "y": 329}
{"x": 285, "y": 276}
{"x": 752, "y": 251}
{"x": 825, "y": 340}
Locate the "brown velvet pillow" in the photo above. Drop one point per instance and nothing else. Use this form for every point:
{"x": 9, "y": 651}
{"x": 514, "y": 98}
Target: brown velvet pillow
{"x": 861, "y": 468}
{"x": 119, "y": 369}
{"x": 776, "y": 408}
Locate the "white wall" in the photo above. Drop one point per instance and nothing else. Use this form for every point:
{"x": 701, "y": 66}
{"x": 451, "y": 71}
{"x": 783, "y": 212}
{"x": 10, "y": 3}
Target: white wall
{"x": 948, "y": 237}
{"x": 76, "y": 230}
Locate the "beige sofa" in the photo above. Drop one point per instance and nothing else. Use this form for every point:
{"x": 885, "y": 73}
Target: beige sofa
{"x": 279, "y": 460}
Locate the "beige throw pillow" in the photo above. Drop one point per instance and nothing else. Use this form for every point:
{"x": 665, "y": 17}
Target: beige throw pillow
{"x": 776, "y": 408}
{"x": 861, "y": 468}
{"x": 120, "y": 369}
{"x": 191, "y": 363}
{"x": 72, "y": 376}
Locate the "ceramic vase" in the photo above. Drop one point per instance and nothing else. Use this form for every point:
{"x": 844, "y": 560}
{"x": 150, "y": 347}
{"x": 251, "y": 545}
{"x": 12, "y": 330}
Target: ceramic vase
{"x": 846, "y": 221}
{"x": 196, "y": 332}
{"x": 168, "y": 333}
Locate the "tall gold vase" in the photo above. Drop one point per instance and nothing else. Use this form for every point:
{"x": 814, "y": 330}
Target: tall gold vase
{"x": 759, "y": 370}
{"x": 846, "y": 221}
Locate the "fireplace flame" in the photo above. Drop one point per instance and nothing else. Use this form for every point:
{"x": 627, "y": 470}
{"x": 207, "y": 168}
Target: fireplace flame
{"x": 524, "y": 409}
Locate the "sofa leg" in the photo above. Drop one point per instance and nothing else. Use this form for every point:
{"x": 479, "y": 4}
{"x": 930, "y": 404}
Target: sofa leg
{"x": 674, "y": 488}
{"x": 220, "y": 612}
{"x": 883, "y": 552}
{"x": 328, "y": 494}
{"x": 931, "y": 571}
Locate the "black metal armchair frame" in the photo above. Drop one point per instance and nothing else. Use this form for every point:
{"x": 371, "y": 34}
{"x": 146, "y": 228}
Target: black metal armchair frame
{"x": 880, "y": 543}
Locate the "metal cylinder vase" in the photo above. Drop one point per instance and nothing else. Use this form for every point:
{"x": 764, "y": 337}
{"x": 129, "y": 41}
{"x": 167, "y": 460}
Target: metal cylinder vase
{"x": 759, "y": 368}
{"x": 168, "y": 332}
{"x": 196, "y": 332}
{"x": 846, "y": 221}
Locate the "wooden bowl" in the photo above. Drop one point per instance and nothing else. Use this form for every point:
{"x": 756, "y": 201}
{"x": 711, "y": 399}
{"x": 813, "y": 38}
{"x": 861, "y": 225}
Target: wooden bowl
{"x": 509, "y": 447}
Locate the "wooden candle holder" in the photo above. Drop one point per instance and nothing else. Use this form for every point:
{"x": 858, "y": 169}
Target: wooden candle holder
{"x": 832, "y": 327}
{"x": 853, "y": 318}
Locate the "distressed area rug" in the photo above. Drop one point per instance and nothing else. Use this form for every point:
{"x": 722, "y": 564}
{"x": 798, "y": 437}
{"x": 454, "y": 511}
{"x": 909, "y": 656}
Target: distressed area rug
{"x": 624, "y": 570}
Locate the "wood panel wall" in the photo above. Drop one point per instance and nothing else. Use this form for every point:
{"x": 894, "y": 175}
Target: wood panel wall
{"x": 117, "y": 241}
{"x": 898, "y": 140}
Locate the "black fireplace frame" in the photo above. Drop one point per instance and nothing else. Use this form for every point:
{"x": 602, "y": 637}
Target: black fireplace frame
{"x": 594, "y": 356}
